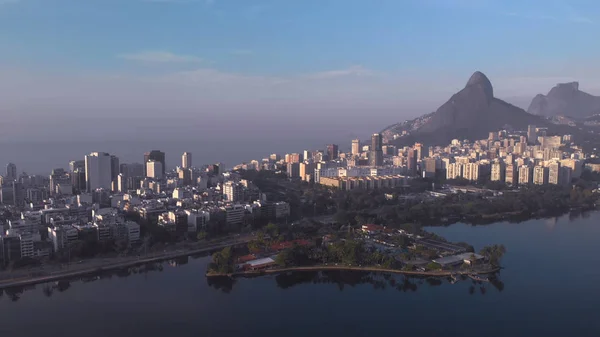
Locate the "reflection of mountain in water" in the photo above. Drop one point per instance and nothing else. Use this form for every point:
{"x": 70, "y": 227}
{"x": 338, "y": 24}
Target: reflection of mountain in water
{"x": 343, "y": 279}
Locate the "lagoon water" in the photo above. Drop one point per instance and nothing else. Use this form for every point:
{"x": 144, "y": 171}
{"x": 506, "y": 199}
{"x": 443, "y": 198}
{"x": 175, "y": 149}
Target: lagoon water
{"x": 549, "y": 287}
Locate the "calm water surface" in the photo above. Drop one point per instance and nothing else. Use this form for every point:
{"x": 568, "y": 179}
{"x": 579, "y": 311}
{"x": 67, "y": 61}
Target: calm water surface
{"x": 550, "y": 287}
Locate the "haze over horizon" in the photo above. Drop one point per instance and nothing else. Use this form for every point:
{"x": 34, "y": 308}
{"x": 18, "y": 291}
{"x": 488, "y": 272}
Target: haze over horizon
{"x": 122, "y": 69}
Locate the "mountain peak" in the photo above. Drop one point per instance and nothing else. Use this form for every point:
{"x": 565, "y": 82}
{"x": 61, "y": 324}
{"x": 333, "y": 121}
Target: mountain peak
{"x": 565, "y": 99}
{"x": 572, "y": 85}
{"x": 478, "y": 79}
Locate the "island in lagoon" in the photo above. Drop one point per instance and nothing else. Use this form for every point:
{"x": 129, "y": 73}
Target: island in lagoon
{"x": 372, "y": 248}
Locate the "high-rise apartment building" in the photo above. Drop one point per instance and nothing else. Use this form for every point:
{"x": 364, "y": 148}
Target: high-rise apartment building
{"x": 498, "y": 172}
{"x": 154, "y": 169}
{"x": 307, "y": 155}
{"x": 76, "y": 164}
{"x": 431, "y": 166}
{"x": 454, "y": 171}
{"x": 419, "y": 149}
{"x": 471, "y": 171}
{"x": 540, "y": 175}
{"x": 186, "y": 160}
{"x": 376, "y": 152}
{"x": 293, "y": 158}
{"x": 98, "y": 171}
{"x": 115, "y": 168}
{"x": 11, "y": 172}
{"x": 574, "y": 165}
{"x": 293, "y": 170}
{"x": 78, "y": 180}
{"x": 554, "y": 173}
{"x": 121, "y": 183}
{"x": 135, "y": 170}
{"x": 511, "y": 174}
{"x": 306, "y": 169}
{"x": 355, "y": 147}
{"x": 525, "y": 175}
{"x": 155, "y": 155}
{"x": 531, "y": 134}
{"x": 233, "y": 191}
{"x": 566, "y": 174}
{"x": 411, "y": 161}
{"x": 332, "y": 151}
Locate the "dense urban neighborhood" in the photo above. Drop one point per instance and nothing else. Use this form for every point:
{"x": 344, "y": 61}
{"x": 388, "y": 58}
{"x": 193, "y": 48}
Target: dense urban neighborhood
{"x": 365, "y": 207}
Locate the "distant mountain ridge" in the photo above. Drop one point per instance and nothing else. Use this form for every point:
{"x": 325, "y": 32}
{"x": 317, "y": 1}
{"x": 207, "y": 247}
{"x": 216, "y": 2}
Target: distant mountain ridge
{"x": 565, "y": 99}
{"x": 471, "y": 114}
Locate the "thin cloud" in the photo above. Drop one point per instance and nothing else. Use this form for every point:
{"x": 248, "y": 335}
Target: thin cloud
{"x": 159, "y": 57}
{"x": 351, "y": 71}
{"x": 7, "y": 2}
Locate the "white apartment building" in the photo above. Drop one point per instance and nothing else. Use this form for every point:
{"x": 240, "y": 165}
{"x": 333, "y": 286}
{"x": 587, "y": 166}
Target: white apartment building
{"x": 186, "y": 160}
{"x": 540, "y": 175}
{"x": 197, "y": 220}
{"x": 233, "y": 191}
{"x": 154, "y": 169}
{"x": 471, "y": 171}
{"x": 525, "y": 175}
{"x": 234, "y": 214}
{"x": 454, "y": 171}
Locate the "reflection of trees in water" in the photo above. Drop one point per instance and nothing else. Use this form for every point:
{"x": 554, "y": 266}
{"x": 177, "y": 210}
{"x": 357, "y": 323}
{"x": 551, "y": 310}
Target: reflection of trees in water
{"x": 494, "y": 281}
{"x": 48, "y": 289}
{"x": 63, "y": 285}
{"x": 222, "y": 283}
{"x": 343, "y": 279}
{"x": 14, "y": 293}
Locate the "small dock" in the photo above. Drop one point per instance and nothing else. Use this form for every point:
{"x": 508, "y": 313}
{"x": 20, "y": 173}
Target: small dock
{"x": 478, "y": 278}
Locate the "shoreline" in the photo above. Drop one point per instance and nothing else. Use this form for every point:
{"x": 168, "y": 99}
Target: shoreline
{"x": 27, "y": 281}
{"x": 443, "y": 273}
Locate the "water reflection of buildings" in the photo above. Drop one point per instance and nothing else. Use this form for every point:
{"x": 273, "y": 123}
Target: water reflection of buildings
{"x": 551, "y": 223}
{"x": 178, "y": 261}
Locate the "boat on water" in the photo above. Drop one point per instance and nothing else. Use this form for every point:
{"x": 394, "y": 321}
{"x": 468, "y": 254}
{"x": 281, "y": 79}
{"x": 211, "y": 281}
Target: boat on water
{"x": 453, "y": 279}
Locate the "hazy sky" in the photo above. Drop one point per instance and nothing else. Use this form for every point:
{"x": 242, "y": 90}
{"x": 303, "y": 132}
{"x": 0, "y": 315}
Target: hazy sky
{"x": 88, "y": 69}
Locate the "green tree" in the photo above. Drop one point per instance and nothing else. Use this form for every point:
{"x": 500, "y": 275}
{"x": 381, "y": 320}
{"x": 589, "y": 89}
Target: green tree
{"x": 493, "y": 253}
{"x": 272, "y": 229}
{"x": 433, "y": 266}
{"x": 223, "y": 261}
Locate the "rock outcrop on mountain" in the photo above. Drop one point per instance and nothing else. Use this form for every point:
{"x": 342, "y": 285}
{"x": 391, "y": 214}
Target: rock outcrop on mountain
{"x": 565, "y": 99}
{"x": 469, "y": 114}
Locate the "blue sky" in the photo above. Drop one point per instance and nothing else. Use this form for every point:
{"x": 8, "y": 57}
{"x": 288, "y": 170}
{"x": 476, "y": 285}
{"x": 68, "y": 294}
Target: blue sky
{"x": 391, "y": 59}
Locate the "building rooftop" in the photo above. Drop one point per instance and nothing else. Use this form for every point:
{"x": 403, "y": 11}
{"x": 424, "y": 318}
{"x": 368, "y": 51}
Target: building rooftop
{"x": 452, "y": 259}
{"x": 260, "y": 262}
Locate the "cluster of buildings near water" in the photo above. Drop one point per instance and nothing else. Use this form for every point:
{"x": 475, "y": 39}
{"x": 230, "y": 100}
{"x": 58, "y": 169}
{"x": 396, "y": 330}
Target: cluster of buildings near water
{"x": 99, "y": 200}
{"x": 512, "y": 157}
{"x": 90, "y": 199}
